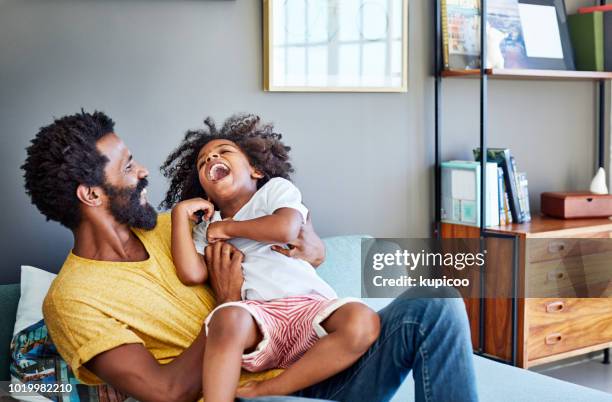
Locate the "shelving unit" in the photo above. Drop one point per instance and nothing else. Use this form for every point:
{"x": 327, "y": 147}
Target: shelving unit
{"x": 521, "y": 74}
{"x": 508, "y": 232}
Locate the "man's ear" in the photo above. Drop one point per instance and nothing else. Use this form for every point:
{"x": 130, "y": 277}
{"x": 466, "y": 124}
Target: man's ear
{"x": 256, "y": 174}
{"x": 89, "y": 196}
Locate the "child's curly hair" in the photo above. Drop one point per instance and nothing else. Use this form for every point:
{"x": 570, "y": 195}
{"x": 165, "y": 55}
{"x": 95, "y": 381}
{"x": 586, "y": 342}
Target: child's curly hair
{"x": 262, "y": 146}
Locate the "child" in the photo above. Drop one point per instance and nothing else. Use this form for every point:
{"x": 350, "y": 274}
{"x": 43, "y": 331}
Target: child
{"x": 289, "y": 317}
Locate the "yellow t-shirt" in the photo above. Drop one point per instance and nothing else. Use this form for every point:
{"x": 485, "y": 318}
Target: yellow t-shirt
{"x": 94, "y": 306}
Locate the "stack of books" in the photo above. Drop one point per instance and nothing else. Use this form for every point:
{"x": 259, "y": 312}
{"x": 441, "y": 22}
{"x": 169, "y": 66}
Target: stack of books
{"x": 513, "y": 197}
{"x": 591, "y": 35}
{"x": 507, "y": 195}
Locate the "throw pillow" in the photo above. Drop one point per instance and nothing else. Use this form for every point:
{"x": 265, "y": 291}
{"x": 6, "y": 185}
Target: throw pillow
{"x": 33, "y": 354}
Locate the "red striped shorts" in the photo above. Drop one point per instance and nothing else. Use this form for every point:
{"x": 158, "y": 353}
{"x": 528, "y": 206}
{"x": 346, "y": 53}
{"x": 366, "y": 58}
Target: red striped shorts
{"x": 289, "y": 327}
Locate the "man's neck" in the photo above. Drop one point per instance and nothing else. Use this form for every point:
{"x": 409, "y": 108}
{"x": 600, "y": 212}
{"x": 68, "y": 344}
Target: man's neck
{"x": 107, "y": 240}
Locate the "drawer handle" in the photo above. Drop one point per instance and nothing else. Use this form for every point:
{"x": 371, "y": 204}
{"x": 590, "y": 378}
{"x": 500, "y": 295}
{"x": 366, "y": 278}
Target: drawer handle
{"x": 556, "y": 276}
{"x": 555, "y": 307}
{"x": 556, "y": 247}
{"x": 553, "y": 338}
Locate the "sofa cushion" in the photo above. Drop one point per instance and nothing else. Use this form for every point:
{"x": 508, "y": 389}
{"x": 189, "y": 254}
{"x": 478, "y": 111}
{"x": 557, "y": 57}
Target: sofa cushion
{"x": 9, "y": 298}
{"x": 342, "y": 266}
{"x": 35, "y": 283}
{"x": 35, "y": 358}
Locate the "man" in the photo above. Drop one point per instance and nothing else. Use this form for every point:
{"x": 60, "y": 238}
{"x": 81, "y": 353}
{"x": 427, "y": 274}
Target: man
{"x": 118, "y": 314}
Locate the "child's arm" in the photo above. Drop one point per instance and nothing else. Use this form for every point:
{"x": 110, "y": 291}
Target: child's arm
{"x": 308, "y": 246}
{"x": 190, "y": 266}
{"x": 282, "y": 227}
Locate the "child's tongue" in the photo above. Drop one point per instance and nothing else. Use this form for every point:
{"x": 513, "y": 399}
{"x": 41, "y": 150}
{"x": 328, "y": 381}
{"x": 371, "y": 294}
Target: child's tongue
{"x": 218, "y": 172}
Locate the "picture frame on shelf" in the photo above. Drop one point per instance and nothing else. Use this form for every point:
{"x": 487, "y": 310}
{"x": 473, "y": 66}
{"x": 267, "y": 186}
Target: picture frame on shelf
{"x": 546, "y": 35}
{"x": 335, "y": 46}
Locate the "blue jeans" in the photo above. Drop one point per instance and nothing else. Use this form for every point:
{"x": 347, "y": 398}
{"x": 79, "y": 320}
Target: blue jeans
{"x": 428, "y": 336}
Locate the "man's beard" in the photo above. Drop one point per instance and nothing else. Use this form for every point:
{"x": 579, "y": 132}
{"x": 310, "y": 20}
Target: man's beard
{"x": 126, "y": 208}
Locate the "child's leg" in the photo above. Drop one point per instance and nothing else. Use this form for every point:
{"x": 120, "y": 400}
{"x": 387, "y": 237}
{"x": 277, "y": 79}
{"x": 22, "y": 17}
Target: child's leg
{"x": 351, "y": 329}
{"x": 231, "y": 331}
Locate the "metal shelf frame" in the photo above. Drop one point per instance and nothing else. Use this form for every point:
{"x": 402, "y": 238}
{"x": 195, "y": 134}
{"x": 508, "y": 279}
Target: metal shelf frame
{"x": 484, "y": 233}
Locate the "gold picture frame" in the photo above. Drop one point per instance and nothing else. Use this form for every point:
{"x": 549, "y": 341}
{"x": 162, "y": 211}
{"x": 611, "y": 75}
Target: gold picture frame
{"x": 335, "y": 45}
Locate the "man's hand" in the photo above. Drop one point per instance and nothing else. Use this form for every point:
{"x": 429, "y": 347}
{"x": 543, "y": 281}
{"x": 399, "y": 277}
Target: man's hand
{"x": 224, "y": 262}
{"x": 308, "y": 246}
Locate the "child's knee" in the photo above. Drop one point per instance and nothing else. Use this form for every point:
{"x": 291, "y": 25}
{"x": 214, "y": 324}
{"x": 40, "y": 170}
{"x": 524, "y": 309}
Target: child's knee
{"x": 361, "y": 328}
{"x": 229, "y": 323}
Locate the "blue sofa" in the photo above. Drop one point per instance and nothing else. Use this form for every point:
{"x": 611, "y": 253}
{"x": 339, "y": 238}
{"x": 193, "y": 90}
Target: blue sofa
{"x": 496, "y": 382}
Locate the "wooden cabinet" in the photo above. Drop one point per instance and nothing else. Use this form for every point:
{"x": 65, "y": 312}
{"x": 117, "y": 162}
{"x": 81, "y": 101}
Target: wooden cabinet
{"x": 557, "y": 261}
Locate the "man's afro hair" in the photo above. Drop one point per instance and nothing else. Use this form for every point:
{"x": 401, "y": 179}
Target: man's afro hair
{"x": 62, "y": 156}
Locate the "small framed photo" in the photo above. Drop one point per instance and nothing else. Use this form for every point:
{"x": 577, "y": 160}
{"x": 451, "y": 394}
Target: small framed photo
{"x": 546, "y": 35}
{"x": 335, "y": 45}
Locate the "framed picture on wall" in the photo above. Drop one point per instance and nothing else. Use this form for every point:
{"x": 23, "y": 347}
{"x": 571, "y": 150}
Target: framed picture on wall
{"x": 546, "y": 34}
{"x": 335, "y": 45}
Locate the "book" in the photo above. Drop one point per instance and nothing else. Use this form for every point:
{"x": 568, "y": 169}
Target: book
{"x": 444, "y": 23}
{"x": 524, "y": 184}
{"x": 587, "y": 10}
{"x": 507, "y": 206}
{"x": 501, "y": 193}
{"x": 519, "y": 190}
{"x": 461, "y": 33}
{"x": 460, "y": 39}
{"x": 606, "y": 36}
{"x": 587, "y": 36}
{"x": 607, "y": 40}
{"x": 501, "y": 156}
{"x": 461, "y": 193}
{"x": 505, "y": 215}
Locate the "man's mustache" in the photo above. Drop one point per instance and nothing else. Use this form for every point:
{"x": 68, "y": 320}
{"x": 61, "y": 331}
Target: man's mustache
{"x": 142, "y": 184}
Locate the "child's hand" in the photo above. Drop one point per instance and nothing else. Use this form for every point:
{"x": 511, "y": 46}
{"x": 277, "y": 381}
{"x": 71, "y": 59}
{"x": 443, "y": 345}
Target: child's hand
{"x": 218, "y": 231}
{"x": 189, "y": 208}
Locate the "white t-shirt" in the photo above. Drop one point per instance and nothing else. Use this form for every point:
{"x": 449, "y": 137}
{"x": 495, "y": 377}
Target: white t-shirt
{"x": 270, "y": 275}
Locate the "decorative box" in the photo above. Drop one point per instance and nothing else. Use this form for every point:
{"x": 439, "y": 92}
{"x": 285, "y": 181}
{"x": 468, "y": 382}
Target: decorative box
{"x": 568, "y": 205}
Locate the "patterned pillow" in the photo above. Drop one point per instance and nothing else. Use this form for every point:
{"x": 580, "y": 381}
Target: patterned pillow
{"x": 35, "y": 358}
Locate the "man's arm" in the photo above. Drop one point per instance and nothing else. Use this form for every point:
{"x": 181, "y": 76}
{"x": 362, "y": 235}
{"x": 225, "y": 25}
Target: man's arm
{"x": 132, "y": 369}
{"x": 308, "y": 246}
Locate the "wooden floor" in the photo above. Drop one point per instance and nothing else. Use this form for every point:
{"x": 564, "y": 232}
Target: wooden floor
{"x": 588, "y": 372}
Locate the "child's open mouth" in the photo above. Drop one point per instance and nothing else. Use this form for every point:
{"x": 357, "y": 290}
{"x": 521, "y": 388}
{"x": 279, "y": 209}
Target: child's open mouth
{"x": 218, "y": 171}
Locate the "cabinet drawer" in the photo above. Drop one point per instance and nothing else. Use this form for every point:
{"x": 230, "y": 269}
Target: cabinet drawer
{"x": 578, "y": 276}
{"x": 562, "y": 325}
{"x": 552, "y": 310}
{"x": 559, "y": 248}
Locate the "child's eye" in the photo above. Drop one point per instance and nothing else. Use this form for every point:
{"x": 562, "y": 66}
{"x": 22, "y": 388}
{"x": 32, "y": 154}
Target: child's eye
{"x": 128, "y": 168}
